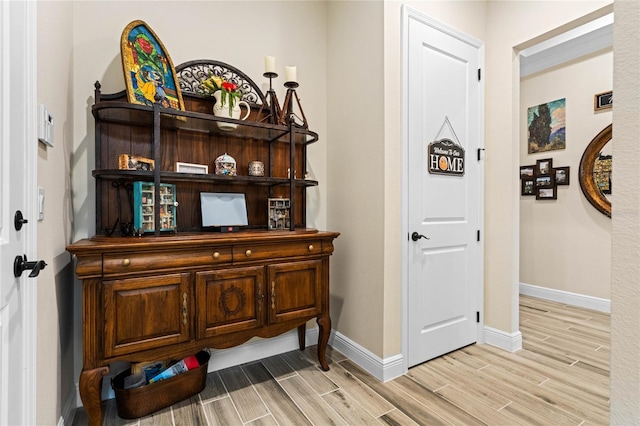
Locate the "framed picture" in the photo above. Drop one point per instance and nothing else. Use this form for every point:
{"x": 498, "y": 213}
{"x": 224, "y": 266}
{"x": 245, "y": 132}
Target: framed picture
{"x": 544, "y": 167}
{"x": 149, "y": 74}
{"x": 546, "y": 126}
{"x": 527, "y": 186}
{"x": 527, "y": 172}
{"x": 603, "y": 101}
{"x": 197, "y": 169}
{"x": 561, "y": 175}
{"x": 545, "y": 181}
{"x": 546, "y": 193}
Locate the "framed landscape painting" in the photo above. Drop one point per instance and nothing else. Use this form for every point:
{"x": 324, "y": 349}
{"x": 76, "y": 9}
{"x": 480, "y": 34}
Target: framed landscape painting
{"x": 148, "y": 71}
{"x": 546, "y": 125}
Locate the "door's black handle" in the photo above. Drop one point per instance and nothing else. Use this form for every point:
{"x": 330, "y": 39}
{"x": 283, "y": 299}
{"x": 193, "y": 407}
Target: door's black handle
{"x": 19, "y": 220}
{"x": 20, "y": 264}
{"x": 415, "y": 236}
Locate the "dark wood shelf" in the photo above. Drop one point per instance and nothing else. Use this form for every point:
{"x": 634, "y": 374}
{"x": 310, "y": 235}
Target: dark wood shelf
{"x": 170, "y": 119}
{"x": 192, "y": 135}
{"x": 170, "y": 177}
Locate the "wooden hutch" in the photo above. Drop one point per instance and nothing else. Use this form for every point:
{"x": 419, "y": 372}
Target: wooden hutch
{"x": 169, "y": 295}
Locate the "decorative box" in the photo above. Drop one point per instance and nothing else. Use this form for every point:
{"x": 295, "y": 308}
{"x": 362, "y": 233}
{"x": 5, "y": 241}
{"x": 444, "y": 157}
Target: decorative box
{"x": 144, "y": 207}
{"x": 256, "y": 168}
{"x": 279, "y": 213}
{"x": 225, "y": 165}
{"x": 134, "y": 162}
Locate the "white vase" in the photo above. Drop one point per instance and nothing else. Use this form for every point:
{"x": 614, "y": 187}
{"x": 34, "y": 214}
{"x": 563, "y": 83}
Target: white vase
{"x": 220, "y": 110}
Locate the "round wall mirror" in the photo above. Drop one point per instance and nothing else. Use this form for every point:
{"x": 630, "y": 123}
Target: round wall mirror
{"x": 595, "y": 172}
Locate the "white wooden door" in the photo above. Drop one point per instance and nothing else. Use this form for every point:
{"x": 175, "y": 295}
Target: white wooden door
{"x": 444, "y": 101}
{"x": 17, "y": 178}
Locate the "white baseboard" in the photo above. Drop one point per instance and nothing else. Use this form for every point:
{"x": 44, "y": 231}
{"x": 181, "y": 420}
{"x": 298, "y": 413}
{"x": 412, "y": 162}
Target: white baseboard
{"x": 507, "y": 341}
{"x": 382, "y": 369}
{"x": 258, "y": 348}
{"x": 69, "y": 409}
{"x": 574, "y": 299}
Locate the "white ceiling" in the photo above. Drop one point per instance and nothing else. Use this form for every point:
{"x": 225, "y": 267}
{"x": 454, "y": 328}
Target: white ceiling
{"x": 591, "y": 37}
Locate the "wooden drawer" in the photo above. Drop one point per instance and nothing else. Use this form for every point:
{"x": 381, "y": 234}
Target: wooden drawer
{"x": 253, "y": 252}
{"x": 124, "y": 263}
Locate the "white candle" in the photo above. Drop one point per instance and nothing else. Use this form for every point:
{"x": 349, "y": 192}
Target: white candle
{"x": 269, "y": 64}
{"x": 290, "y": 75}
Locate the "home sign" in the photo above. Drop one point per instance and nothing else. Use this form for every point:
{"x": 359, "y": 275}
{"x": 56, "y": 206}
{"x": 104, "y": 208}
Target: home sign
{"x": 445, "y": 157}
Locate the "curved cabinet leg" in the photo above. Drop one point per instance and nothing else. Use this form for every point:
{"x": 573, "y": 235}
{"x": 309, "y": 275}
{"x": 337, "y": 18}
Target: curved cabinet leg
{"x": 302, "y": 334}
{"x": 324, "y": 326}
{"x": 90, "y": 393}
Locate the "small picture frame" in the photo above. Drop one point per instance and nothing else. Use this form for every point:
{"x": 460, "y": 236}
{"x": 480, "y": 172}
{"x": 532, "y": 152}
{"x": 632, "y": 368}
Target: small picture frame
{"x": 544, "y": 167}
{"x": 196, "y": 169}
{"x": 603, "y": 101}
{"x": 561, "y": 175}
{"x": 545, "y": 181}
{"x": 527, "y": 172}
{"x": 549, "y": 193}
{"x": 527, "y": 187}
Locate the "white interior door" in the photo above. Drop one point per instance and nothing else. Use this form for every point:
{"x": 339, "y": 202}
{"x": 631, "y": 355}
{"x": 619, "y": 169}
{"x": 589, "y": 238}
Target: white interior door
{"x": 17, "y": 180}
{"x": 444, "y": 100}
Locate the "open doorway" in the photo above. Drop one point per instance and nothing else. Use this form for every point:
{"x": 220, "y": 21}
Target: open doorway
{"x": 560, "y": 231}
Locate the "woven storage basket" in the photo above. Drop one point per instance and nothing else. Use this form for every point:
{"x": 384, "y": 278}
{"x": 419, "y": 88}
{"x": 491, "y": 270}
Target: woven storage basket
{"x": 144, "y": 400}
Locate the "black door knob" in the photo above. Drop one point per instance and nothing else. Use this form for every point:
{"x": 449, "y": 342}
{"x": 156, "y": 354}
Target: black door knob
{"x": 19, "y": 220}
{"x": 415, "y": 236}
{"x": 20, "y": 265}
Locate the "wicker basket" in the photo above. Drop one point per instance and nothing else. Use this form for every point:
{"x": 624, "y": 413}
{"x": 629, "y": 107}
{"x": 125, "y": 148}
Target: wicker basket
{"x": 144, "y": 400}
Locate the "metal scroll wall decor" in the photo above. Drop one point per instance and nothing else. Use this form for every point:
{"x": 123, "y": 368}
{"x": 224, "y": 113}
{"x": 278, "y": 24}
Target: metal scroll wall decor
{"x": 191, "y": 75}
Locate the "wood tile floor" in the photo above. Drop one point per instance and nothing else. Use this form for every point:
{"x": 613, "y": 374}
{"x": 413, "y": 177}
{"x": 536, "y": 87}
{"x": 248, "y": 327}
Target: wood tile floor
{"x": 560, "y": 377}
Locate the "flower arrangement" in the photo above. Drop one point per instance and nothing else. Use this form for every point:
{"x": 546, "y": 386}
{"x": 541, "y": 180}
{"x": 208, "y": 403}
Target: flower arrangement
{"x": 229, "y": 91}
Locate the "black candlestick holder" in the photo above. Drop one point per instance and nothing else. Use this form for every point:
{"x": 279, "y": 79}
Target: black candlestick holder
{"x": 274, "y": 105}
{"x": 288, "y": 116}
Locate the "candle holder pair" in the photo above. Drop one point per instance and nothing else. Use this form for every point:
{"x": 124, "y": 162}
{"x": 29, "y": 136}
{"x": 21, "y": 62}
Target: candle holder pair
{"x": 286, "y": 115}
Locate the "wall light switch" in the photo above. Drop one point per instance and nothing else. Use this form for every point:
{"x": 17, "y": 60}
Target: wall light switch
{"x": 40, "y": 203}
{"x": 45, "y": 126}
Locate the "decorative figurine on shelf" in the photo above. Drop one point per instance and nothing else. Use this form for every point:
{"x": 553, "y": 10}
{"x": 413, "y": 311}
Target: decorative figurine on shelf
{"x": 225, "y": 165}
{"x": 279, "y": 213}
{"x": 228, "y": 101}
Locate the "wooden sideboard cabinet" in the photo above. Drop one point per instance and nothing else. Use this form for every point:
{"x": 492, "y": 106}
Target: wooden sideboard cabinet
{"x": 167, "y": 297}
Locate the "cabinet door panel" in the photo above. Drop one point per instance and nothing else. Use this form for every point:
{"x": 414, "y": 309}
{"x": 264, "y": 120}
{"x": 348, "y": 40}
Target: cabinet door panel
{"x": 144, "y": 313}
{"x": 229, "y": 300}
{"x": 295, "y": 290}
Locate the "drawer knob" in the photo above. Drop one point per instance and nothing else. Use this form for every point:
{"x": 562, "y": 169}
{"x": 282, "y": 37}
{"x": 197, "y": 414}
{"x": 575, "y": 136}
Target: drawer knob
{"x": 126, "y": 262}
{"x": 216, "y": 255}
{"x": 310, "y": 247}
{"x": 247, "y": 253}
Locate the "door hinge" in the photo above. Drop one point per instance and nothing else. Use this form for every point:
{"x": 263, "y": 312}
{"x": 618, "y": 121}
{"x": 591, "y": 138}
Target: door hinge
{"x": 478, "y": 317}
{"x": 478, "y": 236}
{"x": 479, "y": 74}
{"x": 480, "y": 153}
